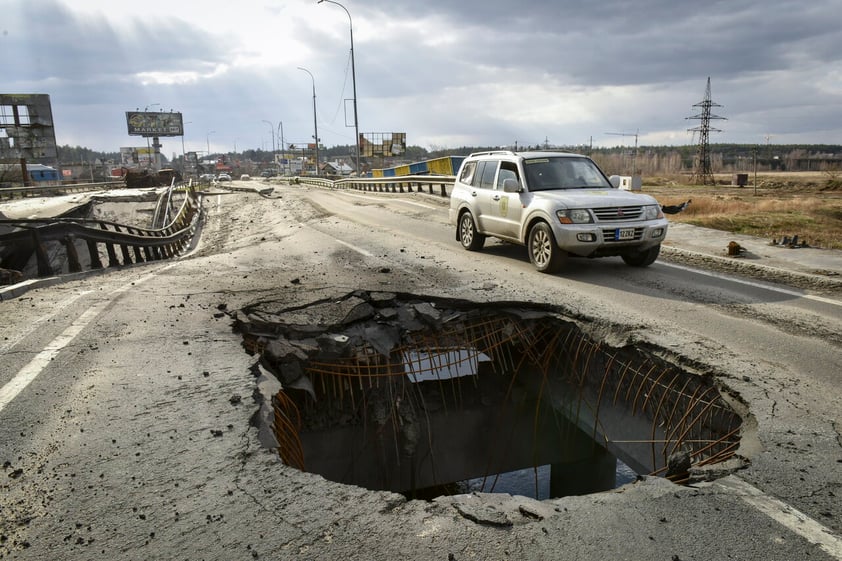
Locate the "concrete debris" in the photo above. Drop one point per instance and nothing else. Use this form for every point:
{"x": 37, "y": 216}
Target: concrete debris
{"x": 281, "y": 350}
{"x": 334, "y": 345}
{"x": 303, "y": 383}
{"x": 267, "y": 388}
{"x": 383, "y": 337}
{"x": 359, "y": 312}
{"x": 380, "y": 298}
{"x": 427, "y": 312}
{"x": 499, "y": 509}
{"x": 408, "y": 317}
{"x": 678, "y": 463}
{"x": 379, "y": 321}
{"x": 483, "y": 513}
{"x": 790, "y": 242}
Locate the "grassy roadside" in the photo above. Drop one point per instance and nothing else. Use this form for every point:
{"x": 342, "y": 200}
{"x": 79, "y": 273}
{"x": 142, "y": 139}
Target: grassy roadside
{"x": 807, "y": 204}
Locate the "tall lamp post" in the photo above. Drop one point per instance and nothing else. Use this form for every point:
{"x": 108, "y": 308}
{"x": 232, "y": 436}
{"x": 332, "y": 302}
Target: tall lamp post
{"x": 315, "y": 121}
{"x": 353, "y": 80}
{"x": 281, "y": 140}
{"x": 272, "y": 132}
{"x": 207, "y": 138}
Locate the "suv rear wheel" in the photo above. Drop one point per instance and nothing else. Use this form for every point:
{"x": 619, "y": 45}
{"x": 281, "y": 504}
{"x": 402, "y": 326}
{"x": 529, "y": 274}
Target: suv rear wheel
{"x": 642, "y": 258}
{"x": 468, "y": 235}
{"x": 544, "y": 254}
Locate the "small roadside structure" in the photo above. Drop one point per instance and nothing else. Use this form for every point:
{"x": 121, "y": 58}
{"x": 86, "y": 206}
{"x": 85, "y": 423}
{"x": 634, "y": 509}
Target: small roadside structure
{"x": 337, "y": 168}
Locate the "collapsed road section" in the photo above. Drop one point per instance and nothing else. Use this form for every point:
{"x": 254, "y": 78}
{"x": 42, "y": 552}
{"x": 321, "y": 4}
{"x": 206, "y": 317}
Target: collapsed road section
{"x": 415, "y": 394}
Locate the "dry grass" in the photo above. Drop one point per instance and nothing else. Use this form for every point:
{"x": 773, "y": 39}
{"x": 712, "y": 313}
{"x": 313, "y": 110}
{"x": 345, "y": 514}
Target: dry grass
{"x": 808, "y": 205}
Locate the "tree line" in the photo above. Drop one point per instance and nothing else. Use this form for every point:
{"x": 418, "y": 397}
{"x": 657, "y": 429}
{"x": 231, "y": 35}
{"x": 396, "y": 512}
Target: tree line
{"x": 647, "y": 160}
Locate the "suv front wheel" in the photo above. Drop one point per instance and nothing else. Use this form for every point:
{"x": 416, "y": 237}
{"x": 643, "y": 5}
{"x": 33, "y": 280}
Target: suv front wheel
{"x": 468, "y": 235}
{"x": 544, "y": 254}
{"x": 642, "y": 258}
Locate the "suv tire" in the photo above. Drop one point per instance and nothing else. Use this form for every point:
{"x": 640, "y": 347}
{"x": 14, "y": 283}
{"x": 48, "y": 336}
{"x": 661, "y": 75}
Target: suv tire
{"x": 642, "y": 258}
{"x": 544, "y": 254}
{"x": 468, "y": 235}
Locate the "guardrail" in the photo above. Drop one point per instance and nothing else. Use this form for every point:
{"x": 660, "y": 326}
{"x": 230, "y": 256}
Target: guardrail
{"x": 54, "y": 190}
{"x": 136, "y": 245}
{"x": 397, "y": 184}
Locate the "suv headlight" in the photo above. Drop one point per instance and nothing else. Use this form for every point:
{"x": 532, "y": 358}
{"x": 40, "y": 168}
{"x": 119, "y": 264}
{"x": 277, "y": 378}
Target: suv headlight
{"x": 652, "y": 212}
{"x": 574, "y": 216}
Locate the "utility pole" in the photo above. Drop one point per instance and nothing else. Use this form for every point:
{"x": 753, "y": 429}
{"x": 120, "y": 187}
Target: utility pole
{"x": 281, "y": 138}
{"x": 702, "y": 172}
{"x": 315, "y": 122}
{"x": 768, "y": 138}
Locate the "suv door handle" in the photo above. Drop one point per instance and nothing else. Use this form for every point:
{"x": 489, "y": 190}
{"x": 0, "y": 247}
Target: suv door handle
{"x": 496, "y": 198}
{"x": 473, "y": 193}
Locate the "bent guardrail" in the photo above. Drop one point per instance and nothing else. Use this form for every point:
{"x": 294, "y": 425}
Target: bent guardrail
{"x": 396, "y": 184}
{"x": 100, "y": 238}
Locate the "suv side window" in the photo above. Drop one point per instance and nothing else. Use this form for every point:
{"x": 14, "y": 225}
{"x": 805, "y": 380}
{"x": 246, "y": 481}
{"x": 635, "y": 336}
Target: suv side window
{"x": 467, "y": 176}
{"x": 486, "y": 174}
{"x": 508, "y": 170}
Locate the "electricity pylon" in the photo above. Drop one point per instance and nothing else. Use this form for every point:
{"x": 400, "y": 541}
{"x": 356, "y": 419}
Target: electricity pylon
{"x": 702, "y": 172}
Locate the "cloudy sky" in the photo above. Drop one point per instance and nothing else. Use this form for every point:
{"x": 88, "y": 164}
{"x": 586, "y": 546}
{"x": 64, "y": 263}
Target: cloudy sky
{"x": 449, "y": 73}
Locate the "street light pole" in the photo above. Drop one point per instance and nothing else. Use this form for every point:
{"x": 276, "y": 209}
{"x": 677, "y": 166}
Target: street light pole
{"x": 271, "y": 132}
{"x": 281, "y": 139}
{"x": 315, "y": 121}
{"x": 353, "y": 81}
{"x": 207, "y": 138}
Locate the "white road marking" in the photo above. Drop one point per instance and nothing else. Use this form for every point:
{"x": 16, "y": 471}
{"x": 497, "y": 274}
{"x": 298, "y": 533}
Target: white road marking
{"x": 754, "y": 284}
{"x": 56, "y": 308}
{"x": 359, "y": 250}
{"x": 31, "y": 371}
{"x": 788, "y": 516}
{"x": 404, "y": 201}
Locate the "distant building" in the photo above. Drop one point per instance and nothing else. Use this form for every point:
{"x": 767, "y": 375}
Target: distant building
{"x": 41, "y": 174}
{"x": 337, "y": 168}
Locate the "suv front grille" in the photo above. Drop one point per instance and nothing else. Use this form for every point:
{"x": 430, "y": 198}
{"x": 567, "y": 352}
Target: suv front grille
{"x": 613, "y": 214}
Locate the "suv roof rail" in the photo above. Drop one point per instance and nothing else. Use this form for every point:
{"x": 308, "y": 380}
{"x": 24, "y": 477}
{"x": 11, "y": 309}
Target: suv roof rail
{"x": 491, "y": 153}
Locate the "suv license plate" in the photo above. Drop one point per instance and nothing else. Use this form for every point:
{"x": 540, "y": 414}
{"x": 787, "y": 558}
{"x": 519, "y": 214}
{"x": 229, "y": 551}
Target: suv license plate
{"x": 624, "y": 234}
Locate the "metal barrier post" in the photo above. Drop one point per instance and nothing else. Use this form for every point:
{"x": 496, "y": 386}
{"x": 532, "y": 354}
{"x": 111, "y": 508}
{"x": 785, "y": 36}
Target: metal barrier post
{"x": 73, "y": 263}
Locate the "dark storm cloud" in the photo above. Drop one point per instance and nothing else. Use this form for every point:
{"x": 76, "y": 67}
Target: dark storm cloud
{"x": 45, "y": 41}
{"x": 622, "y": 42}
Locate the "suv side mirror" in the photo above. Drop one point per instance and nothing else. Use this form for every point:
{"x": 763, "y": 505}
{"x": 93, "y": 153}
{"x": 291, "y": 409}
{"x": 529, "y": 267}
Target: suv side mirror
{"x": 510, "y": 185}
{"x": 615, "y": 181}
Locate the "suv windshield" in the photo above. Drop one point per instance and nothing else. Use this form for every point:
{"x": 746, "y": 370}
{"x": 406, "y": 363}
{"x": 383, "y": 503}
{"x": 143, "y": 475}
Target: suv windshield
{"x": 544, "y": 174}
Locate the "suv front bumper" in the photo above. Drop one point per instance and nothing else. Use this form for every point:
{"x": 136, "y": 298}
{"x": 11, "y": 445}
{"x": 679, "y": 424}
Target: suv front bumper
{"x": 606, "y": 239}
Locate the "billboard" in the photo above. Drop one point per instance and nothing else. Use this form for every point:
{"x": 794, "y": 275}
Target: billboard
{"x": 143, "y": 123}
{"x": 26, "y": 127}
{"x": 383, "y": 144}
{"x": 131, "y": 156}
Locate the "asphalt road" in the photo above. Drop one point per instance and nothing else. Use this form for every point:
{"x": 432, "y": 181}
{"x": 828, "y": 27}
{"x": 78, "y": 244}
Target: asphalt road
{"x": 126, "y": 399}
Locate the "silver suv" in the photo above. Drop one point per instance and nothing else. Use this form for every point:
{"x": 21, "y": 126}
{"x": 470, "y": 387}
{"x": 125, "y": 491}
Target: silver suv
{"x": 557, "y": 205}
